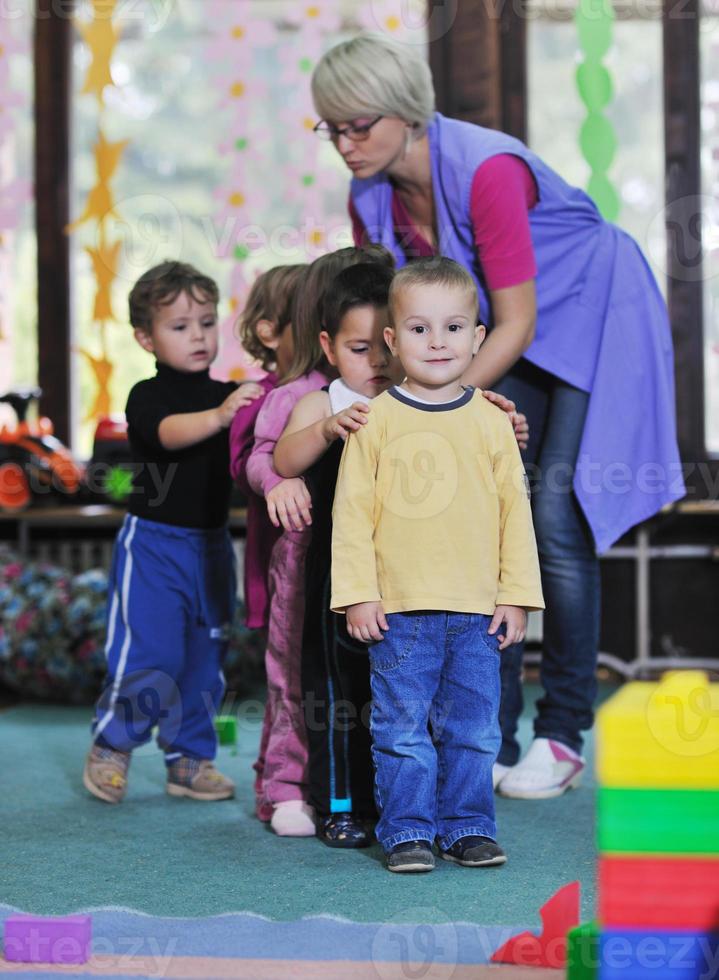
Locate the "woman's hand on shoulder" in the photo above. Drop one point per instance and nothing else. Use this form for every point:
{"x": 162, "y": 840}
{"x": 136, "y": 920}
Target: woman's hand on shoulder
{"x": 518, "y": 420}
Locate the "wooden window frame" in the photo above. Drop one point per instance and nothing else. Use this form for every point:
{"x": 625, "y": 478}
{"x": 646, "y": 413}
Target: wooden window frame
{"x": 53, "y": 76}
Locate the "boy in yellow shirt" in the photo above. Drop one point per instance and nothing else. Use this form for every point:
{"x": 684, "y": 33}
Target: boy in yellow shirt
{"x": 435, "y": 564}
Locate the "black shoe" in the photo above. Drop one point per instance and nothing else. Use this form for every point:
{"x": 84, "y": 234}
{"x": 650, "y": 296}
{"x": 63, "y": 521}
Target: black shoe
{"x": 342, "y": 830}
{"x": 475, "y": 852}
{"x": 412, "y": 855}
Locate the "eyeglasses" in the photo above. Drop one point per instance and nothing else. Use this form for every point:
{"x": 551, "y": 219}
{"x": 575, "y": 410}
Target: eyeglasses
{"x": 357, "y": 134}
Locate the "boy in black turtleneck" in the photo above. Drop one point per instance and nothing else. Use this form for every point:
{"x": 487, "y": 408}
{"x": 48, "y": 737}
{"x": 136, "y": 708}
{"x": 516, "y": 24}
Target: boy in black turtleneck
{"x": 172, "y": 586}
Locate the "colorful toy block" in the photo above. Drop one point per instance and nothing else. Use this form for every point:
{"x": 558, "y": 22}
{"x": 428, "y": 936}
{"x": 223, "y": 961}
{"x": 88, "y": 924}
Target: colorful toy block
{"x": 662, "y": 735}
{"x": 668, "y": 892}
{"x": 226, "y": 728}
{"x": 639, "y": 954}
{"x": 658, "y": 833}
{"x": 31, "y": 939}
{"x": 583, "y": 952}
{"x": 658, "y": 820}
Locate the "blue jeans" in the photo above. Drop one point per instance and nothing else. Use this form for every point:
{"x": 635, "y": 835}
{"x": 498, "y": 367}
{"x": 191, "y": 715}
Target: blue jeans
{"x": 568, "y": 562}
{"x": 435, "y": 728}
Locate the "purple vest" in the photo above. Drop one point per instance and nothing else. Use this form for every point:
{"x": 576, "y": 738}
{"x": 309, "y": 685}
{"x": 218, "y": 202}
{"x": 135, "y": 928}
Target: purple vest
{"x": 602, "y": 324}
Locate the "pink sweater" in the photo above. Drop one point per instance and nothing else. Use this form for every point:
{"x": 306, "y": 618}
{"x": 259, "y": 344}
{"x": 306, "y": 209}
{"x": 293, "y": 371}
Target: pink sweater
{"x": 253, "y": 436}
{"x": 503, "y": 192}
{"x": 261, "y": 535}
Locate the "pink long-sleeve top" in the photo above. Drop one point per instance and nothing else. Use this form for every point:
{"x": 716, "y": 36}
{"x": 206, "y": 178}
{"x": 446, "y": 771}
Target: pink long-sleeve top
{"x": 254, "y": 433}
{"x": 503, "y": 192}
{"x": 261, "y": 535}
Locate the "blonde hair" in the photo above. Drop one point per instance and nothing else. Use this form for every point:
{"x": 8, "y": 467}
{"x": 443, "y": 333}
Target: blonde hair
{"x": 374, "y": 75}
{"x": 435, "y": 271}
{"x": 308, "y": 311}
{"x": 270, "y": 298}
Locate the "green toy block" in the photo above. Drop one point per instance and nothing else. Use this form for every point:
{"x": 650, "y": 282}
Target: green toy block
{"x": 583, "y": 952}
{"x": 226, "y": 728}
{"x": 659, "y": 821}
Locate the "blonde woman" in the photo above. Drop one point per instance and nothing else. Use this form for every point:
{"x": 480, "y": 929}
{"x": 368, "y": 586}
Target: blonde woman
{"x": 579, "y": 339}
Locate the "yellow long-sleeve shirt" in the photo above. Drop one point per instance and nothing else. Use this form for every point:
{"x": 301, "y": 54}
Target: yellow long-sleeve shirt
{"x": 432, "y": 511}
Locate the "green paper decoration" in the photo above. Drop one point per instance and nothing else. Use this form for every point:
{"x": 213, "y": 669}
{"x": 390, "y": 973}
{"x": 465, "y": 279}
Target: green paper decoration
{"x": 308, "y": 180}
{"x": 241, "y": 252}
{"x": 241, "y": 143}
{"x": 595, "y": 85}
{"x": 602, "y": 192}
{"x": 306, "y": 64}
{"x": 597, "y": 139}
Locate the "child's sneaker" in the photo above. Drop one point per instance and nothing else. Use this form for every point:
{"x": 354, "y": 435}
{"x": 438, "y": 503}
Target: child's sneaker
{"x": 499, "y": 771}
{"x": 475, "y": 852}
{"x": 343, "y": 830}
{"x": 105, "y": 774}
{"x": 293, "y": 818}
{"x": 411, "y": 856}
{"x": 198, "y": 779}
{"x": 548, "y": 769}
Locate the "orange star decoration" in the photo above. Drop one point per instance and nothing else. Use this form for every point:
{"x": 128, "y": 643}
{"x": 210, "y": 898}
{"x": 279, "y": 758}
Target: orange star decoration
{"x": 101, "y": 36}
{"x": 104, "y": 265}
{"x": 102, "y": 369}
{"x": 100, "y": 203}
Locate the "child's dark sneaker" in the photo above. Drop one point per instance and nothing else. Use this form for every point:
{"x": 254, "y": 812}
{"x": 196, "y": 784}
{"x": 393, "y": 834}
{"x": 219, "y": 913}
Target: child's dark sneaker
{"x": 198, "y": 779}
{"x": 105, "y": 774}
{"x": 475, "y": 852}
{"x": 342, "y": 830}
{"x": 411, "y": 855}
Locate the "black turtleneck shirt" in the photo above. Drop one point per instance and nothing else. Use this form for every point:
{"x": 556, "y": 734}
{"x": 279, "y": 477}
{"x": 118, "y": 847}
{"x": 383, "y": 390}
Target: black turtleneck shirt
{"x": 184, "y": 487}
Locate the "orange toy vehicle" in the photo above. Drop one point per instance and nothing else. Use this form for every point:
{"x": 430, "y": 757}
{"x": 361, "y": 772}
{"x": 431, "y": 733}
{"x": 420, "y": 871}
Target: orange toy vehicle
{"x": 33, "y": 463}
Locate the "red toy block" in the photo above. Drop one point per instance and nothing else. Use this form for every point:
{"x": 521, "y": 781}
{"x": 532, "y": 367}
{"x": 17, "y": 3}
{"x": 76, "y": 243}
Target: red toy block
{"x": 668, "y": 892}
{"x": 559, "y": 914}
{"x": 31, "y": 939}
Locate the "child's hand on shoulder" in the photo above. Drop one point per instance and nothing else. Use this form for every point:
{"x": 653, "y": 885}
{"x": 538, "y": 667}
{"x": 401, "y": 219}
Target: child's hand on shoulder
{"x": 242, "y": 396}
{"x": 348, "y": 420}
{"x": 289, "y": 503}
{"x": 365, "y": 622}
{"x": 515, "y": 620}
{"x": 518, "y": 420}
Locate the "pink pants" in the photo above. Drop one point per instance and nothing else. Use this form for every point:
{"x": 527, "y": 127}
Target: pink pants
{"x": 281, "y": 765}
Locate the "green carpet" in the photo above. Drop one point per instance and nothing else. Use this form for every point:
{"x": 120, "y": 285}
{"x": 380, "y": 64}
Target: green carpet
{"x": 63, "y": 850}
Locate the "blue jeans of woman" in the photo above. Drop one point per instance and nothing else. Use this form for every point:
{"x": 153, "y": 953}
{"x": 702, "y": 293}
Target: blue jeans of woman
{"x": 434, "y": 725}
{"x": 568, "y": 562}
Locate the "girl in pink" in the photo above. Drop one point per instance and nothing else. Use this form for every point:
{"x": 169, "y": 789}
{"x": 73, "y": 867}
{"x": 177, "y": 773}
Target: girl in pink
{"x": 264, "y": 330}
{"x": 281, "y": 767}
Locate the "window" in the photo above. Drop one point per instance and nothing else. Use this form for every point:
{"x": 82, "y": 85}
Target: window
{"x": 221, "y": 168}
{"x": 709, "y": 59}
{"x": 18, "y": 275}
{"x": 556, "y": 112}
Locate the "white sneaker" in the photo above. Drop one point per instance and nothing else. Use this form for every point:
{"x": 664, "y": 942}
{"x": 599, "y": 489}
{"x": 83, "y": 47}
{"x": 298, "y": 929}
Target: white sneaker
{"x": 548, "y": 769}
{"x": 498, "y": 773}
{"x": 293, "y": 818}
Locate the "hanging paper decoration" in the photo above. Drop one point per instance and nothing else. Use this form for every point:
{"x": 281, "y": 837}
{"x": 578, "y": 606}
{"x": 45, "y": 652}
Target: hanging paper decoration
{"x": 101, "y": 36}
{"x": 597, "y": 139}
{"x": 15, "y": 193}
{"x": 284, "y": 196}
{"x": 407, "y": 20}
{"x": 238, "y": 35}
{"x": 100, "y": 202}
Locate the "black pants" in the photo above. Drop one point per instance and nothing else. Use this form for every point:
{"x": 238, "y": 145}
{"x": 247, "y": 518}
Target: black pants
{"x": 336, "y": 695}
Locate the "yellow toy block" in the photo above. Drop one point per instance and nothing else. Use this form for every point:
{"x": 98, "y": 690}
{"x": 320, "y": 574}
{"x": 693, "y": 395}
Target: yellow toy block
{"x": 661, "y": 735}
